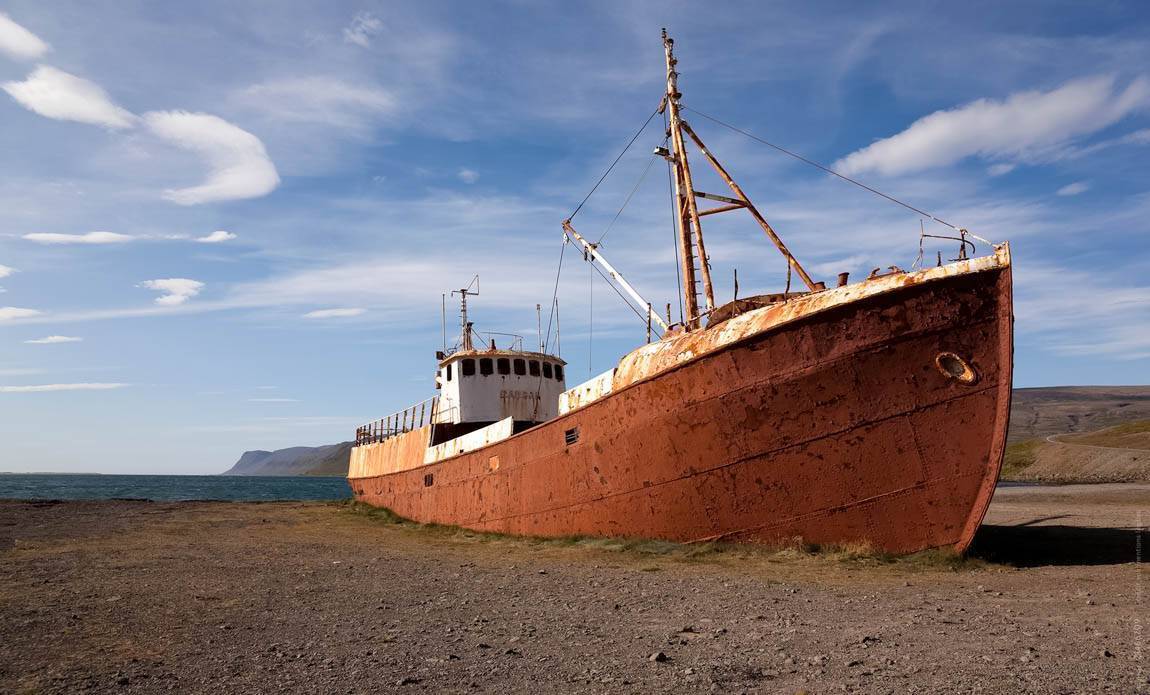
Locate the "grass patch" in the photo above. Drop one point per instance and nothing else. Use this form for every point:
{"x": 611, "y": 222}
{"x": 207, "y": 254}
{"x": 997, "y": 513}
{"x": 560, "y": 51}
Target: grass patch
{"x": 644, "y": 550}
{"x": 1018, "y": 457}
{"x": 1118, "y": 436}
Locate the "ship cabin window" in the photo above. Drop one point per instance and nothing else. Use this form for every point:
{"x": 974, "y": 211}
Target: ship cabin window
{"x": 558, "y": 372}
{"x": 485, "y": 366}
{"x": 447, "y": 372}
{"x": 504, "y": 365}
{"x": 546, "y": 370}
{"x": 534, "y": 367}
{"x": 520, "y": 368}
{"x": 467, "y": 367}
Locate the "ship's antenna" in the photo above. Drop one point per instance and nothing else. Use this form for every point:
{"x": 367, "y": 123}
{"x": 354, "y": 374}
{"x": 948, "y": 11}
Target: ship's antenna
{"x": 465, "y": 325}
{"x": 443, "y": 319}
{"x": 539, "y": 324}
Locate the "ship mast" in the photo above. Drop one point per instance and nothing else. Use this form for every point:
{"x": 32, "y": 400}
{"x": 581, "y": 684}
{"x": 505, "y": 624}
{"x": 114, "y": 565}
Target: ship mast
{"x": 686, "y": 211}
{"x": 688, "y": 216}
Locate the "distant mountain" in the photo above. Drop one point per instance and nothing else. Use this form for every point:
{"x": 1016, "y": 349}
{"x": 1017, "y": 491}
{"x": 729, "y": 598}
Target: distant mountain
{"x": 1041, "y": 412}
{"x": 331, "y": 459}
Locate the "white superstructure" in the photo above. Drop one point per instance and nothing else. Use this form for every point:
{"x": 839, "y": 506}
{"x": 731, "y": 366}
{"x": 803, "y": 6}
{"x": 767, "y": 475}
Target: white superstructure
{"x": 490, "y": 385}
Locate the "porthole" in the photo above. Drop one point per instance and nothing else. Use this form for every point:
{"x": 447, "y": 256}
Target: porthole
{"x": 954, "y": 367}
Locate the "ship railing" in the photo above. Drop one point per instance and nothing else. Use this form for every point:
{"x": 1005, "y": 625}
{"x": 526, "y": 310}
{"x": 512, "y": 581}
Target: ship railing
{"x": 406, "y": 420}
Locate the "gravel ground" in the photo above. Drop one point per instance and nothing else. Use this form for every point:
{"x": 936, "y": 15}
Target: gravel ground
{"x": 122, "y": 596}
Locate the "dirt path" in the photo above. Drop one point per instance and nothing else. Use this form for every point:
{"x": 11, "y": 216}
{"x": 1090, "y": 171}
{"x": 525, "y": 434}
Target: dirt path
{"x": 289, "y": 597}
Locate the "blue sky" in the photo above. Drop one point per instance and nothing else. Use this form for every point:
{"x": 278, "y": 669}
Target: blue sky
{"x": 183, "y": 186}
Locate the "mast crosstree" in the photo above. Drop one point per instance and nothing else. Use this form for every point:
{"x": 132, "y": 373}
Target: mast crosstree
{"x": 688, "y": 214}
{"x": 692, "y": 250}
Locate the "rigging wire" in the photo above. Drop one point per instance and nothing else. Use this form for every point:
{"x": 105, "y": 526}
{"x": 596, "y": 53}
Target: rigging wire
{"x": 555, "y": 294}
{"x": 642, "y": 177}
{"x": 604, "y": 176}
{"x": 828, "y": 170}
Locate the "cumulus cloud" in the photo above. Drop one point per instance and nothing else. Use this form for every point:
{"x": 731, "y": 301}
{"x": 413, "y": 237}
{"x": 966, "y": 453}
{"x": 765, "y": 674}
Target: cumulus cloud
{"x": 7, "y": 313}
{"x": 363, "y": 27}
{"x": 174, "y": 291}
{"x": 324, "y": 100}
{"x": 333, "y": 313}
{"x": 1074, "y": 188}
{"x": 238, "y": 162}
{"x": 5, "y": 271}
{"x": 41, "y": 388}
{"x": 216, "y": 237}
{"x": 56, "y": 94}
{"x": 89, "y": 238}
{"x": 1023, "y": 124}
{"x": 468, "y": 175}
{"x": 54, "y": 339}
{"x": 19, "y": 43}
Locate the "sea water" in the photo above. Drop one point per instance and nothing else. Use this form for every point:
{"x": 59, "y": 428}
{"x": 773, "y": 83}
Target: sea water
{"x": 170, "y": 487}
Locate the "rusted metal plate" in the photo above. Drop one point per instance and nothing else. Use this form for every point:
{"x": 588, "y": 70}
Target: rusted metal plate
{"x": 832, "y": 423}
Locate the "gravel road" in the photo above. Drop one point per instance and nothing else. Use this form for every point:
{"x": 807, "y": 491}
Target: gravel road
{"x": 141, "y": 597}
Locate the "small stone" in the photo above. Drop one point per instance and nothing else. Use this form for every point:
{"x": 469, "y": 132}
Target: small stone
{"x": 658, "y": 657}
{"x": 542, "y": 571}
{"x": 1107, "y": 653}
{"x": 407, "y": 680}
{"x": 853, "y": 663}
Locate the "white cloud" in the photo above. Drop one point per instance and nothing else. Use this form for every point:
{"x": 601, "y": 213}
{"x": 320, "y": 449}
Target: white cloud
{"x": 324, "y": 100}
{"x": 239, "y": 163}
{"x": 41, "y": 388}
{"x": 1000, "y": 169}
{"x": 1074, "y": 188}
{"x": 468, "y": 175}
{"x": 1023, "y": 124}
{"x": 216, "y": 237}
{"x": 56, "y": 94}
{"x": 89, "y": 238}
{"x": 54, "y": 339}
{"x": 7, "y": 313}
{"x": 5, "y": 271}
{"x": 273, "y": 400}
{"x": 19, "y": 43}
{"x": 175, "y": 290}
{"x": 1138, "y": 137}
{"x": 363, "y": 26}
{"x": 333, "y": 313}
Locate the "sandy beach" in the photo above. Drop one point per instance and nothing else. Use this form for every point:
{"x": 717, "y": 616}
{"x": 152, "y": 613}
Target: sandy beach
{"x": 125, "y": 596}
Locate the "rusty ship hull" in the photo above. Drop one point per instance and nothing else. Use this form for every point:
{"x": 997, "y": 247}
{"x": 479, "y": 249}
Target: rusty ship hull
{"x": 825, "y": 419}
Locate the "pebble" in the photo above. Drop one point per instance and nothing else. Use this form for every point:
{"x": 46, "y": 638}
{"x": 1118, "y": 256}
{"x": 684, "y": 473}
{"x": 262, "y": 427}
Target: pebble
{"x": 658, "y": 657}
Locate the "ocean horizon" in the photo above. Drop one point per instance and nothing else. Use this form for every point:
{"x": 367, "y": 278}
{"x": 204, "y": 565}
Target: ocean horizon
{"x": 170, "y": 488}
